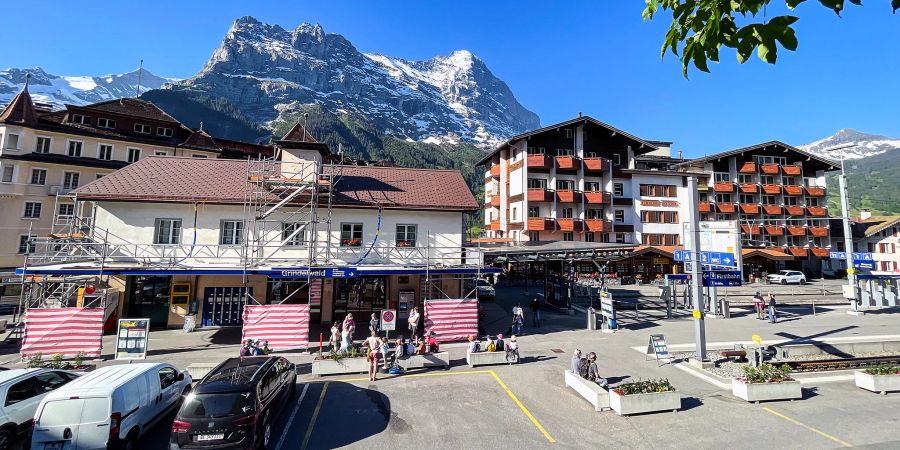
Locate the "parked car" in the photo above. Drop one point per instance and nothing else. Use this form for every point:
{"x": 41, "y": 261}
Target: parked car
{"x": 787, "y": 276}
{"x": 22, "y": 390}
{"x": 234, "y": 405}
{"x": 485, "y": 290}
{"x": 109, "y": 408}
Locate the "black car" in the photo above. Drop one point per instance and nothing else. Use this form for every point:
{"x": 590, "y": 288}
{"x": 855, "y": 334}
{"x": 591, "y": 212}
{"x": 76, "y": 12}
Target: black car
{"x": 233, "y": 406}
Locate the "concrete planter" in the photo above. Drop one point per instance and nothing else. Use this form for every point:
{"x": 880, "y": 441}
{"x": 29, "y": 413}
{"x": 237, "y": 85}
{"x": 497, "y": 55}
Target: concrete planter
{"x": 625, "y": 405}
{"x": 761, "y": 392}
{"x": 344, "y": 365}
{"x": 488, "y": 358}
{"x": 441, "y": 359}
{"x": 877, "y": 383}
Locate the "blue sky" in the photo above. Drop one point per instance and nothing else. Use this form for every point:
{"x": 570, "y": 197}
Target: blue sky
{"x": 559, "y": 58}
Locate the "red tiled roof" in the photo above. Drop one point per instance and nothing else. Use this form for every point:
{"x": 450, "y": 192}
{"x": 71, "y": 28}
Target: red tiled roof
{"x": 130, "y": 107}
{"x": 184, "y": 180}
{"x": 200, "y": 140}
{"x": 298, "y": 134}
{"x": 20, "y": 110}
{"x": 875, "y": 224}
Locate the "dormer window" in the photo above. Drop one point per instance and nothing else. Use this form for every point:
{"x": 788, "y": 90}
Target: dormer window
{"x": 141, "y": 128}
{"x": 81, "y": 118}
{"x": 167, "y": 132}
{"x": 103, "y": 122}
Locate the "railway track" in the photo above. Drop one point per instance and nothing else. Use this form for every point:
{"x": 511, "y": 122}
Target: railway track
{"x": 839, "y": 363}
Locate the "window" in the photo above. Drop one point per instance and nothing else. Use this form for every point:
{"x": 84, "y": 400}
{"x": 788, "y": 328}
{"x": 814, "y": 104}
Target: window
{"x": 618, "y": 189}
{"x": 70, "y": 180}
{"x": 168, "y": 232}
{"x": 534, "y": 211}
{"x": 769, "y": 200}
{"x": 592, "y": 186}
{"x": 659, "y": 217}
{"x": 50, "y": 381}
{"x": 745, "y": 178}
{"x": 21, "y": 391}
{"x": 595, "y": 214}
{"x": 105, "y": 152}
{"x": 746, "y": 198}
{"x": 536, "y": 150}
{"x": 406, "y": 235}
{"x": 141, "y": 128}
{"x": 42, "y": 144}
{"x": 566, "y": 213}
{"x": 103, "y": 122}
{"x": 66, "y": 210}
{"x": 537, "y": 183}
{"x": 167, "y": 132}
{"x": 25, "y": 245}
{"x": 100, "y": 175}
{"x": 723, "y": 198}
{"x": 616, "y": 159}
{"x": 198, "y": 156}
{"x": 659, "y": 239}
{"x": 81, "y": 118}
{"x": 767, "y": 179}
{"x": 134, "y": 154}
{"x": 291, "y": 236}
{"x": 565, "y": 185}
{"x": 568, "y": 236}
{"x": 534, "y": 236}
{"x": 569, "y": 133}
{"x": 161, "y": 153}
{"x": 620, "y": 238}
{"x": 564, "y": 152}
{"x": 620, "y": 215}
{"x": 38, "y": 176}
{"x": 515, "y": 214}
{"x": 75, "y": 148}
{"x": 351, "y": 234}
{"x": 791, "y": 201}
{"x": 12, "y": 141}
{"x": 232, "y": 232}
{"x": 589, "y": 237}
{"x": 658, "y": 190}
{"x": 812, "y": 201}
{"x": 8, "y": 173}
{"x": 760, "y": 159}
{"x": 723, "y": 177}
{"x": 167, "y": 377}
{"x": 32, "y": 210}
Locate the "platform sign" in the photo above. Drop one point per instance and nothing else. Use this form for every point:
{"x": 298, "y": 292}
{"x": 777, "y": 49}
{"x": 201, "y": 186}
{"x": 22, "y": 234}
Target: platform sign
{"x": 388, "y": 319}
{"x": 862, "y": 264}
{"x": 720, "y": 245}
{"x": 657, "y": 346}
{"x": 857, "y": 256}
{"x": 722, "y": 278}
{"x": 132, "y": 338}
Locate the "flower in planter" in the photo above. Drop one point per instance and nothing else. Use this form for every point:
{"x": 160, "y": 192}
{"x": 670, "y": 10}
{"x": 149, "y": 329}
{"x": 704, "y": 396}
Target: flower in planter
{"x": 765, "y": 373}
{"x": 645, "y": 387}
{"x": 883, "y": 369}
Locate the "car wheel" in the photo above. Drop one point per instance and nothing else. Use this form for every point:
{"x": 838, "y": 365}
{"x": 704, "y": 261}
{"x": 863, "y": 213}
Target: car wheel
{"x": 783, "y": 281}
{"x": 7, "y": 437}
{"x": 802, "y": 282}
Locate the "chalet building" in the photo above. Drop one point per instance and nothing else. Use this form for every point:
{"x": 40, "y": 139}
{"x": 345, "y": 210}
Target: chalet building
{"x": 878, "y": 235}
{"x": 44, "y": 153}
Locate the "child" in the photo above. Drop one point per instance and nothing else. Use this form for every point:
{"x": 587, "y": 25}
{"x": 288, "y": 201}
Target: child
{"x": 335, "y": 336}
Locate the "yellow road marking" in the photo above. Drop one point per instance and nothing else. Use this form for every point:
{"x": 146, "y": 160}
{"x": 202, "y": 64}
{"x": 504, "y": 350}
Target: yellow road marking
{"x": 312, "y": 421}
{"x": 814, "y": 430}
{"x": 522, "y": 407}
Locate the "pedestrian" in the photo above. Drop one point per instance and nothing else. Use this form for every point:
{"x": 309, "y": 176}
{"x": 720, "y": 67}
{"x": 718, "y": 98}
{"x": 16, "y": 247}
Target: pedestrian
{"x": 413, "y": 321}
{"x": 373, "y": 345}
{"x": 593, "y": 372}
{"x": 512, "y": 350}
{"x": 576, "y": 361}
{"x": 432, "y": 343}
{"x": 335, "y": 340}
{"x": 517, "y": 324}
{"x": 374, "y": 323}
{"x": 535, "y": 312}
{"x": 349, "y": 326}
{"x": 385, "y": 348}
{"x": 247, "y": 349}
{"x": 772, "y": 315}
{"x": 759, "y": 304}
{"x": 517, "y": 311}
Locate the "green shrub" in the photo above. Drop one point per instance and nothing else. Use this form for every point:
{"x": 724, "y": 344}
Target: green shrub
{"x": 645, "y": 387}
{"x": 766, "y": 373}
{"x": 884, "y": 369}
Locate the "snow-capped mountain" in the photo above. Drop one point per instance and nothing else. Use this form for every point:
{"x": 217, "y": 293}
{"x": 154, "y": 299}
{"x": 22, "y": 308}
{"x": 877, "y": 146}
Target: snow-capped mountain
{"x": 75, "y": 90}
{"x": 267, "y": 71}
{"x": 864, "y": 145}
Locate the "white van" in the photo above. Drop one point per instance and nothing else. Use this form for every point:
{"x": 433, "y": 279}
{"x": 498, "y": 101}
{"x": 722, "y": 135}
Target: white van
{"x": 110, "y": 407}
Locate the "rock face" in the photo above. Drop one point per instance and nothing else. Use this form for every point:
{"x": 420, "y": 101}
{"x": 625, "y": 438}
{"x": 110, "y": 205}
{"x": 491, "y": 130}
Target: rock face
{"x": 864, "y": 145}
{"x": 76, "y": 90}
{"x": 267, "y": 71}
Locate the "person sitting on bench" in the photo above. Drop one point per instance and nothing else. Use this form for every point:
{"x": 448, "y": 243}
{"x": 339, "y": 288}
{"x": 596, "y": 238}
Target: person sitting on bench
{"x": 593, "y": 372}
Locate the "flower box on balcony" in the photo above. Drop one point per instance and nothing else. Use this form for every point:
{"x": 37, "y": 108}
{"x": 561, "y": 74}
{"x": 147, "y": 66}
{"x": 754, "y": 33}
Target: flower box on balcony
{"x": 567, "y": 196}
{"x": 538, "y": 195}
{"x": 818, "y": 231}
{"x": 595, "y": 164}
{"x": 705, "y": 207}
{"x": 538, "y": 224}
{"x": 814, "y": 191}
{"x": 725, "y": 207}
{"x": 790, "y": 189}
{"x": 770, "y": 169}
{"x": 817, "y": 211}
{"x": 538, "y": 161}
{"x": 749, "y": 208}
{"x": 752, "y": 229}
{"x": 771, "y": 189}
{"x": 749, "y": 188}
{"x": 796, "y": 231}
{"x": 747, "y": 167}
{"x": 798, "y": 251}
{"x": 820, "y": 252}
{"x": 791, "y": 169}
{"x": 774, "y": 230}
{"x": 772, "y": 209}
{"x": 495, "y": 170}
{"x": 597, "y": 197}
{"x": 495, "y": 201}
{"x": 357, "y": 242}
{"x": 569, "y": 224}
{"x": 495, "y": 225}
{"x": 406, "y": 244}
{"x": 795, "y": 210}
{"x": 597, "y": 225}
{"x": 565, "y": 163}
{"x": 724, "y": 186}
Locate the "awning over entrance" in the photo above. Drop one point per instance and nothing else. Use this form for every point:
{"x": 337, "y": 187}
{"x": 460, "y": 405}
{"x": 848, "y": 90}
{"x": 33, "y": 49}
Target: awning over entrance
{"x": 556, "y": 251}
{"x": 774, "y": 255}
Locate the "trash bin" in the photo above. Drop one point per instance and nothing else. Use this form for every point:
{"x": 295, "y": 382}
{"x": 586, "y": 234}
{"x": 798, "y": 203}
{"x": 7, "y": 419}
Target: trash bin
{"x": 190, "y": 322}
{"x": 726, "y": 309}
{"x": 591, "y": 319}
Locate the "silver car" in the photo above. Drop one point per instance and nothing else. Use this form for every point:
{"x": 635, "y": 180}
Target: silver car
{"x": 787, "y": 276}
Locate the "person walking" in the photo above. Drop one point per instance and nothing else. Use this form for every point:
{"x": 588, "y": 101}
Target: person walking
{"x": 518, "y": 319}
{"x": 373, "y": 346}
{"x": 760, "y": 305}
{"x": 772, "y": 313}
{"x": 349, "y": 327}
{"x": 413, "y": 321}
{"x": 535, "y": 312}
{"x": 374, "y": 323}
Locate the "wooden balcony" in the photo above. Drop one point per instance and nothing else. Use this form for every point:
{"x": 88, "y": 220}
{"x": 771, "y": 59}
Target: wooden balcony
{"x": 751, "y": 229}
{"x": 818, "y": 211}
{"x": 820, "y": 252}
{"x": 704, "y": 207}
{"x": 747, "y": 167}
{"x": 770, "y": 169}
{"x": 814, "y": 191}
{"x": 818, "y": 231}
{"x": 495, "y": 201}
{"x": 749, "y": 208}
{"x": 566, "y": 163}
{"x": 723, "y": 186}
{"x": 568, "y": 224}
{"x": 772, "y": 209}
{"x": 539, "y": 162}
{"x": 540, "y": 224}
{"x": 725, "y": 207}
{"x": 796, "y": 231}
{"x": 539, "y": 195}
{"x": 774, "y": 230}
{"x": 790, "y": 189}
{"x": 791, "y": 169}
{"x": 798, "y": 251}
{"x": 596, "y": 164}
{"x": 771, "y": 189}
{"x": 749, "y": 188}
{"x": 598, "y": 225}
{"x": 495, "y": 170}
{"x": 495, "y": 225}
{"x": 568, "y": 196}
{"x": 597, "y": 197}
{"x": 795, "y": 210}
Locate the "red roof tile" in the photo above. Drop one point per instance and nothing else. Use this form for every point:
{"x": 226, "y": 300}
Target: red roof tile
{"x": 133, "y": 107}
{"x": 298, "y": 134}
{"x": 183, "y": 180}
{"x": 200, "y": 140}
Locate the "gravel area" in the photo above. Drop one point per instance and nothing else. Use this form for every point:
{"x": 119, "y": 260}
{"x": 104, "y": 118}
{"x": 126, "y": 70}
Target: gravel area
{"x": 727, "y": 368}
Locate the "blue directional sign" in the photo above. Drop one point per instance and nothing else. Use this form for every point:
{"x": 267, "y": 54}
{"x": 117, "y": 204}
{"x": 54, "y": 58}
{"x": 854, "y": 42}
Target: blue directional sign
{"x": 707, "y": 258}
{"x": 837, "y": 255}
{"x": 682, "y": 255}
{"x": 314, "y": 272}
{"x": 860, "y": 264}
{"x": 857, "y": 256}
{"x": 722, "y": 278}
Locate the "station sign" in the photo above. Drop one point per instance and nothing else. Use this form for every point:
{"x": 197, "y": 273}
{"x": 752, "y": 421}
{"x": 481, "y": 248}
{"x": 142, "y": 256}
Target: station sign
{"x": 309, "y": 272}
{"x": 707, "y": 258}
{"x": 857, "y": 256}
{"x": 722, "y": 278}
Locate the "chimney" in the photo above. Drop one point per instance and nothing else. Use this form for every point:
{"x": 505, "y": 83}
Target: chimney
{"x": 579, "y": 114}
{"x": 865, "y": 214}
{"x": 680, "y": 156}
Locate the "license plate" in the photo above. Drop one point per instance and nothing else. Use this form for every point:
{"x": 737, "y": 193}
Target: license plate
{"x": 53, "y": 446}
{"x": 209, "y": 437}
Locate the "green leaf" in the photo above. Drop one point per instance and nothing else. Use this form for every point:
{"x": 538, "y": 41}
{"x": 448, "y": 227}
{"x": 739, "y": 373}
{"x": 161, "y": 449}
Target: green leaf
{"x": 788, "y": 39}
{"x": 767, "y": 50}
{"x": 793, "y": 3}
{"x": 895, "y": 4}
{"x": 783, "y": 21}
{"x": 745, "y": 49}
{"x": 835, "y": 5}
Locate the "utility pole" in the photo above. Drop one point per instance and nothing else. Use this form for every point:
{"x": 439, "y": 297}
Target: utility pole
{"x": 848, "y": 232}
{"x": 696, "y": 278}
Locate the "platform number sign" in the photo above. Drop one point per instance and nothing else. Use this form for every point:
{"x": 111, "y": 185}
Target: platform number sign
{"x": 388, "y": 319}
{"x": 657, "y": 346}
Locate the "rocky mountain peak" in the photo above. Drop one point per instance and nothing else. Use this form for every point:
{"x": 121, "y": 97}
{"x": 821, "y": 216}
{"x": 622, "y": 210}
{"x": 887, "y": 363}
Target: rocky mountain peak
{"x": 77, "y": 90}
{"x": 863, "y": 145}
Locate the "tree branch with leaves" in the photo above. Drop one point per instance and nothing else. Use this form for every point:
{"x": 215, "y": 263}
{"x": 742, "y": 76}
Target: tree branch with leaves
{"x": 701, "y": 27}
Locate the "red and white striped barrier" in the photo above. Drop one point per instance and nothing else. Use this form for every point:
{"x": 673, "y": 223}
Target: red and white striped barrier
{"x": 284, "y": 326}
{"x": 451, "y": 319}
{"x": 67, "y": 331}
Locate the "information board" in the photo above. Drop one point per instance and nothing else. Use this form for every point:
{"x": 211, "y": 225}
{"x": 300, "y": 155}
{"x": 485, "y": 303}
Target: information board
{"x": 657, "y": 346}
{"x": 607, "y": 308}
{"x": 723, "y": 278}
{"x": 388, "y": 319}
{"x": 132, "y": 338}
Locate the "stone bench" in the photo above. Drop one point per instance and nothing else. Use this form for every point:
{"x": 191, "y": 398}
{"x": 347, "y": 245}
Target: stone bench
{"x": 199, "y": 370}
{"x": 440, "y": 359}
{"x": 592, "y": 392}
{"x": 488, "y": 358}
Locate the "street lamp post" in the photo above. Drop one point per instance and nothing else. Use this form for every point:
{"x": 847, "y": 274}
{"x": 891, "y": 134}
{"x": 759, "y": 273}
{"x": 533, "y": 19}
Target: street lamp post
{"x": 848, "y": 236}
